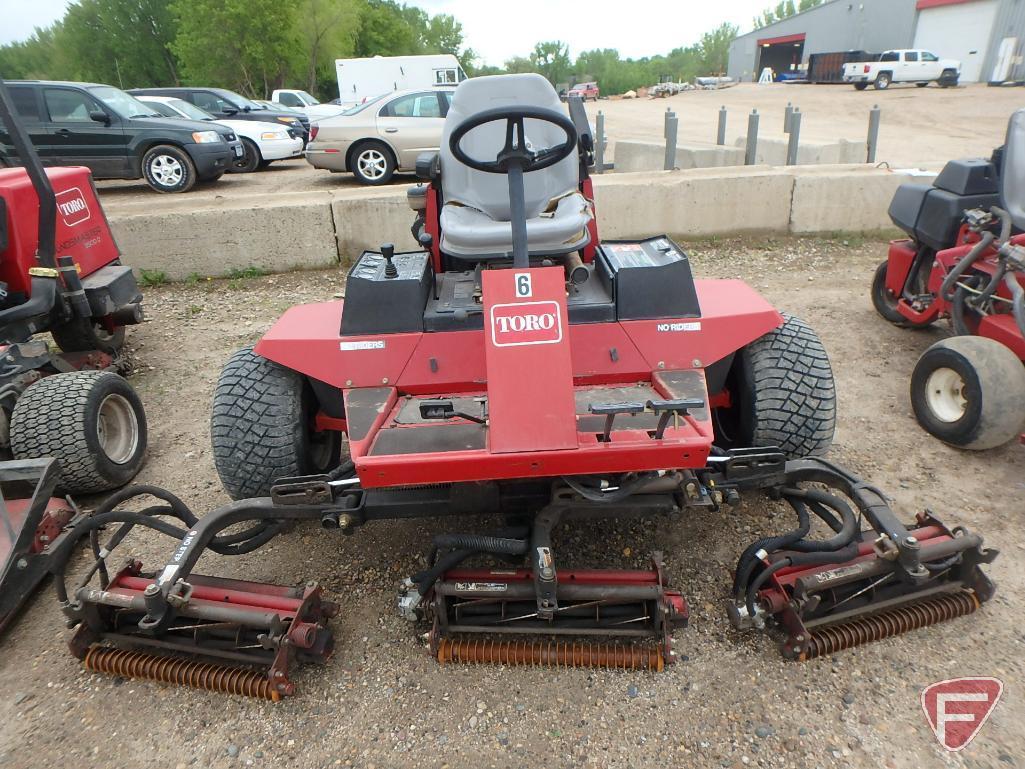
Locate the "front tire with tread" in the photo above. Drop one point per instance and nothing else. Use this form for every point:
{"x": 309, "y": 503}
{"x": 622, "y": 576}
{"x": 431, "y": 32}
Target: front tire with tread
{"x": 372, "y": 162}
{"x": 168, "y": 169}
{"x": 67, "y": 417}
{"x": 261, "y": 426}
{"x": 783, "y": 394}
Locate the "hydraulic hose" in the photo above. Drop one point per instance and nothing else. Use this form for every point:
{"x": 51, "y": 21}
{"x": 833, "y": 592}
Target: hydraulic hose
{"x": 481, "y": 543}
{"x": 949, "y": 282}
{"x": 803, "y": 559}
{"x": 748, "y": 559}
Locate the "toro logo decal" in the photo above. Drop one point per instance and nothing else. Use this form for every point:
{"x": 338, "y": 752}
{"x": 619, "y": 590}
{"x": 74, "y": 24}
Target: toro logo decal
{"x": 958, "y": 707}
{"x": 71, "y": 203}
{"x": 525, "y": 323}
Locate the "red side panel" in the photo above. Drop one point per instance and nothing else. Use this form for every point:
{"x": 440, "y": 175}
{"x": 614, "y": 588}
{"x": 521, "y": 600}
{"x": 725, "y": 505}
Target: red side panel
{"x": 453, "y": 360}
{"x": 1003, "y": 329}
{"x": 306, "y": 339}
{"x": 732, "y": 315}
{"x": 529, "y": 367}
{"x": 82, "y": 228}
{"x": 898, "y": 263}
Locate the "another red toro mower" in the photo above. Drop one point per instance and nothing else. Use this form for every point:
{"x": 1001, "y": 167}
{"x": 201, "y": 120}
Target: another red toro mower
{"x": 67, "y": 420}
{"x": 964, "y": 262}
{"x": 520, "y": 367}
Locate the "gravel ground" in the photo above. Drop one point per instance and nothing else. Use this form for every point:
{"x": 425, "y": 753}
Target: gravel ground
{"x": 381, "y": 701}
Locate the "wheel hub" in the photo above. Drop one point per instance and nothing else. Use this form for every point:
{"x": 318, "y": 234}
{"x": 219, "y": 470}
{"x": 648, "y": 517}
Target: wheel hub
{"x": 372, "y": 164}
{"x": 945, "y": 395}
{"x": 166, "y": 170}
{"x": 117, "y": 429}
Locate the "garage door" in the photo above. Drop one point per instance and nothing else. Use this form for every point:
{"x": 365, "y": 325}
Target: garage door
{"x": 961, "y": 32}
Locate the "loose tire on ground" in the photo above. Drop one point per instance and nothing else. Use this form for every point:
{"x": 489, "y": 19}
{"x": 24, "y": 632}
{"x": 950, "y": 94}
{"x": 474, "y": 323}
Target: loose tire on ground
{"x": 91, "y": 422}
{"x": 168, "y": 169}
{"x": 782, "y": 392}
{"x": 372, "y": 163}
{"x": 82, "y": 335}
{"x": 262, "y": 426}
{"x": 969, "y": 391}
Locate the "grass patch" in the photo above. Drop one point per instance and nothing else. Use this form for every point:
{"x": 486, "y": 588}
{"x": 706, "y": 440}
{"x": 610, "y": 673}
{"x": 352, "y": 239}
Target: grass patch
{"x": 153, "y": 277}
{"x": 247, "y": 272}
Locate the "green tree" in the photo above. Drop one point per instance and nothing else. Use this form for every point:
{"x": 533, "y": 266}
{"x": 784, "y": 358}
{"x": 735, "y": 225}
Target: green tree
{"x": 714, "y": 48}
{"x": 246, "y": 45}
{"x": 442, "y": 34}
{"x": 123, "y": 42}
{"x": 784, "y": 10}
{"x": 518, "y": 65}
{"x": 38, "y": 57}
{"x": 328, "y": 30}
{"x": 551, "y": 59}
{"x": 386, "y": 30}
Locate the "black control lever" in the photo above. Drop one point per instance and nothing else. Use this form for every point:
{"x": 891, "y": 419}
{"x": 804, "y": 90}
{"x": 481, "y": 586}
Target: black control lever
{"x": 388, "y": 251}
{"x": 666, "y": 409}
{"x": 610, "y": 410}
{"x": 444, "y": 409}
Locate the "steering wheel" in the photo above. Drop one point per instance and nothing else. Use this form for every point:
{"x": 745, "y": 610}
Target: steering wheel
{"x": 515, "y": 152}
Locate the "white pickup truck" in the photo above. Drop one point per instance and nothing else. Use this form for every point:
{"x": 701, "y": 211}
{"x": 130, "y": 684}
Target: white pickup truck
{"x": 902, "y": 66}
{"x": 305, "y": 103}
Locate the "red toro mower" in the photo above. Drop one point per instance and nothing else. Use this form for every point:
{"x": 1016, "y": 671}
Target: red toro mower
{"x": 964, "y": 262}
{"x": 518, "y": 366}
{"x": 67, "y": 420}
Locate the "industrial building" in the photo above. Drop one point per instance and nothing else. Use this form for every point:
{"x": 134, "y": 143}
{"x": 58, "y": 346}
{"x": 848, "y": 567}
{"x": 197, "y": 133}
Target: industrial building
{"x": 986, "y": 36}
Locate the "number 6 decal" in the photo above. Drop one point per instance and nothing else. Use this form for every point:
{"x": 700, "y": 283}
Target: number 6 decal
{"x": 523, "y": 286}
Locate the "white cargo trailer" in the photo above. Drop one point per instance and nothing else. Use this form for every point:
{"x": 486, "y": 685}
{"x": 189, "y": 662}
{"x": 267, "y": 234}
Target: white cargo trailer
{"x": 361, "y": 79}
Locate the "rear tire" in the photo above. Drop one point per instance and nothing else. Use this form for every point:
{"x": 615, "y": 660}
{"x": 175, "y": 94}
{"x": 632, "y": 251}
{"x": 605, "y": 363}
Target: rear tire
{"x": 783, "y": 394}
{"x": 262, "y": 426}
{"x": 969, "y": 391}
{"x": 921, "y": 85}
{"x": 82, "y": 335}
{"x": 860, "y": 86}
{"x": 883, "y": 80}
{"x": 886, "y": 303}
{"x": 91, "y": 422}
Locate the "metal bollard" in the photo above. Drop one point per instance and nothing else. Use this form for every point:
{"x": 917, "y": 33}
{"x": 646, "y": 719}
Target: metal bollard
{"x": 786, "y": 117}
{"x": 599, "y": 143}
{"x": 671, "y": 125}
{"x": 752, "y": 138}
{"x": 720, "y": 137}
{"x": 873, "y": 133}
{"x": 795, "y": 136}
{"x": 665, "y": 122}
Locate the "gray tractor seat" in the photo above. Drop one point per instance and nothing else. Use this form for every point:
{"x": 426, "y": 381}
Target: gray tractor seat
{"x": 1012, "y": 178}
{"x": 475, "y": 217}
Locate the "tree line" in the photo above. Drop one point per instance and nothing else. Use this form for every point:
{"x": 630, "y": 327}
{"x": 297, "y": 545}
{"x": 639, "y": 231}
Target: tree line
{"x": 254, "y": 46}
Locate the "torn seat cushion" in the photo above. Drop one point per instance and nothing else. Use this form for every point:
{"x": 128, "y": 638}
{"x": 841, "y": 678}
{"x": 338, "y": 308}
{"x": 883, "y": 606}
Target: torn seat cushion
{"x": 560, "y": 229}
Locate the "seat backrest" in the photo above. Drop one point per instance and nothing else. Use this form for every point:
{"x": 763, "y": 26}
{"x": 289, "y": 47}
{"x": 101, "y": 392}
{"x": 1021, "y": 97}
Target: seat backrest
{"x": 490, "y": 192}
{"x": 1012, "y": 176}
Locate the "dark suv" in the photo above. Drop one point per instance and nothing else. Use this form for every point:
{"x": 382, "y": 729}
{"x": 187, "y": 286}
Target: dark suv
{"x": 116, "y": 136}
{"x": 225, "y": 104}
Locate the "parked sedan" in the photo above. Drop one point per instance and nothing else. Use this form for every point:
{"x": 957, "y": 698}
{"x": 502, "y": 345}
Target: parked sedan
{"x": 375, "y": 139}
{"x": 262, "y": 142}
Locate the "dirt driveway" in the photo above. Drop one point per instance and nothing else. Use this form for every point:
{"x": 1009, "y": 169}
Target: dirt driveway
{"x": 382, "y": 702}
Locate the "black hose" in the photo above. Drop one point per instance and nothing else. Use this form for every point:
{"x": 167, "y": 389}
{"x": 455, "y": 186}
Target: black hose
{"x": 748, "y": 559}
{"x": 481, "y": 543}
{"x": 425, "y": 580}
{"x": 1005, "y": 223}
{"x": 947, "y": 287}
{"x": 844, "y": 536}
{"x": 797, "y": 559}
{"x": 625, "y": 489}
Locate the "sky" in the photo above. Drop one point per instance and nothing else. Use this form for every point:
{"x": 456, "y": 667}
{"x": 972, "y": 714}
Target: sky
{"x": 500, "y": 30}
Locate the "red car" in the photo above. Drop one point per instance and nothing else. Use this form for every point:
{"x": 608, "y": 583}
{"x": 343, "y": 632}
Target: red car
{"x": 585, "y": 91}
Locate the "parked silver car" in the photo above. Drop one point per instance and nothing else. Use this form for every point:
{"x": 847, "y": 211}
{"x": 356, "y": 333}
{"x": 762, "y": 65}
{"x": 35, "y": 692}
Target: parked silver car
{"x": 383, "y": 135}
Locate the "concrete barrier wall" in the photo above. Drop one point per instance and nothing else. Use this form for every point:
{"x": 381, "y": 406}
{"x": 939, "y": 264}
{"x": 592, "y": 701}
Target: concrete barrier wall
{"x": 305, "y": 230}
{"x": 634, "y": 156}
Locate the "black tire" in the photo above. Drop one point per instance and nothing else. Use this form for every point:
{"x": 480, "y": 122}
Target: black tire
{"x": 883, "y": 80}
{"x": 886, "y": 303}
{"x": 921, "y": 85}
{"x": 91, "y": 422}
{"x": 81, "y": 335}
{"x": 262, "y": 426}
{"x": 168, "y": 169}
{"x": 948, "y": 78}
{"x": 250, "y": 160}
{"x": 969, "y": 391}
{"x": 211, "y": 178}
{"x": 372, "y": 162}
{"x": 860, "y": 86}
{"x": 783, "y": 394}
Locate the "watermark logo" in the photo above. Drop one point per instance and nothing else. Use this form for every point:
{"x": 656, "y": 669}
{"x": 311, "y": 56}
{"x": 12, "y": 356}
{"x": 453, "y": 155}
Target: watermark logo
{"x": 957, "y": 708}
